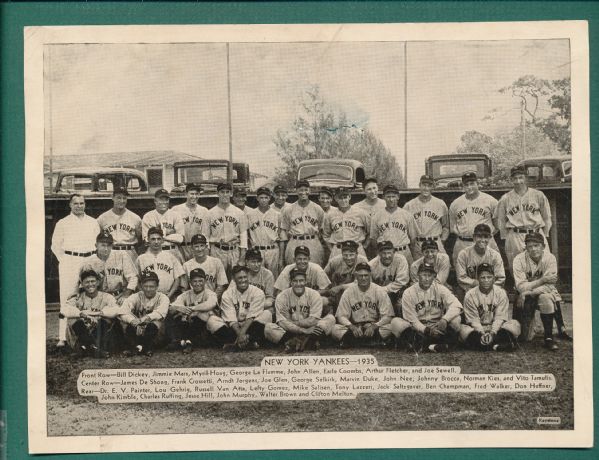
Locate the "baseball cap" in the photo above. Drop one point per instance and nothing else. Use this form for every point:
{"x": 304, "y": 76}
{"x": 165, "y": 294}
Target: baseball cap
{"x": 160, "y": 193}
{"x": 426, "y": 179}
{"x": 192, "y": 186}
{"x": 517, "y": 170}
{"x": 327, "y": 190}
{"x": 294, "y": 272}
{"x": 362, "y": 266}
{"x": 120, "y": 191}
{"x": 302, "y": 250}
{"x": 390, "y": 189}
{"x": 198, "y": 239}
{"x": 482, "y": 229}
{"x": 87, "y": 273}
{"x": 149, "y": 276}
{"x": 384, "y": 245}
{"x": 224, "y": 186}
{"x": 302, "y": 183}
{"x": 104, "y": 238}
{"x": 197, "y": 273}
{"x": 253, "y": 254}
{"x": 342, "y": 191}
{"x": 469, "y": 176}
{"x": 239, "y": 192}
{"x": 534, "y": 238}
{"x": 424, "y": 267}
{"x": 370, "y": 180}
{"x": 263, "y": 191}
{"x": 349, "y": 246}
{"x": 484, "y": 267}
{"x": 429, "y": 244}
{"x": 238, "y": 268}
{"x": 280, "y": 189}
{"x": 155, "y": 231}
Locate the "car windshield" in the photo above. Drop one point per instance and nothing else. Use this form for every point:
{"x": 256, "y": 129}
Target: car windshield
{"x": 323, "y": 172}
{"x": 203, "y": 173}
{"x": 455, "y": 168}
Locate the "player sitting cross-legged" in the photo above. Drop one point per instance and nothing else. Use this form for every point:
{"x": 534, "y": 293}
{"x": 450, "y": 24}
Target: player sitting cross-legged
{"x": 486, "y": 310}
{"x": 299, "y": 324}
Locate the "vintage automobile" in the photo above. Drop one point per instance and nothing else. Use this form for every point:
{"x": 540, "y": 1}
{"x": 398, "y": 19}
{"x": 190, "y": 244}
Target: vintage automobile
{"x": 95, "y": 181}
{"x": 548, "y": 170}
{"x": 447, "y": 170}
{"x": 332, "y": 173}
{"x": 210, "y": 173}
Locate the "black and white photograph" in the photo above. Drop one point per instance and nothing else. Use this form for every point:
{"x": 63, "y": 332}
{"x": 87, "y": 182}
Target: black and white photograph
{"x": 308, "y": 236}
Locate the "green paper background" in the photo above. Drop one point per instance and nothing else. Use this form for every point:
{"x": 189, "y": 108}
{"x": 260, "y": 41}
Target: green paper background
{"x": 13, "y": 318}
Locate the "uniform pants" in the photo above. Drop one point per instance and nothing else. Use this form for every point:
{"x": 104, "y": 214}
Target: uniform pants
{"x": 315, "y": 246}
{"x": 104, "y": 334}
{"x": 147, "y": 337}
{"x": 418, "y": 248}
{"x": 185, "y": 253}
{"x": 403, "y": 329}
{"x": 223, "y": 333}
{"x": 510, "y": 330}
{"x": 407, "y": 253}
{"x": 274, "y": 333}
{"x": 229, "y": 257}
{"x": 270, "y": 258}
{"x": 385, "y": 331}
{"x": 131, "y": 253}
{"x": 547, "y": 305}
{"x": 68, "y": 276}
{"x": 514, "y": 245}
{"x": 461, "y": 244}
{"x": 179, "y": 327}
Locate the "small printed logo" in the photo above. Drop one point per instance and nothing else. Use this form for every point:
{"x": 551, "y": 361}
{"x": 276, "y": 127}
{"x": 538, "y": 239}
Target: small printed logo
{"x": 549, "y": 420}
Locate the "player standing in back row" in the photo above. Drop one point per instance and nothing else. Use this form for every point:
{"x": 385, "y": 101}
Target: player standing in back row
{"x": 168, "y": 220}
{"x": 194, "y": 217}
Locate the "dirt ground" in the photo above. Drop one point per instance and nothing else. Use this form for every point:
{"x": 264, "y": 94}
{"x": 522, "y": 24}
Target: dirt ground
{"x": 71, "y": 414}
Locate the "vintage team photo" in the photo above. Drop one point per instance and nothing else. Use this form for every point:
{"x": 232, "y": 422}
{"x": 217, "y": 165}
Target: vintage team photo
{"x": 210, "y": 204}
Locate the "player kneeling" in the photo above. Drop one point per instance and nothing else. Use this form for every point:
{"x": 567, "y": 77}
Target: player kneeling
{"x": 143, "y": 315}
{"x": 188, "y": 314}
{"x": 299, "y": 309}
{"x": 486, "y": 310}
{"x": 241, "y": 324}
{"x": 89, "y": 317}
{"x": 428, "y": 309}
{"x": 365, "y": 313}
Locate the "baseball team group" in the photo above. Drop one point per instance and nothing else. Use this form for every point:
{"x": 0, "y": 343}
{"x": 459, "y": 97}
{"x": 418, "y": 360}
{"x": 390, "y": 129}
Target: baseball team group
{"x": 301, "y": 275}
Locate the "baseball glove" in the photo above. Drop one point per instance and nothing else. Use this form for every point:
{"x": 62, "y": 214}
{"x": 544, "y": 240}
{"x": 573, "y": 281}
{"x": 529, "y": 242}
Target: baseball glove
{"x": 486, "y": 339}
{"x": 439, "y": 329}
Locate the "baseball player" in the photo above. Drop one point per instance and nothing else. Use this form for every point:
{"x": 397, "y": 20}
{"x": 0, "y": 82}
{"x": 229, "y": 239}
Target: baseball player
{"x": 488, "y": 326}
{"x": 301, "y": 224}
{"x": 432, "y": 256}
{"x": 194, "y": 217}
{"x": 264, "y": 228}
{"x": 364, "y": 312}
{"x": 390, "y": 270}
{"x": 535, "y": 275}
{"x": 316, "y": 278}
{"x": 299, "y": 324}
{"x": 431, "y": 216}
{"x": 216, "y": 278}
{"x": 162, "y": 263}
{"x": 240, "y": 199}
{"x": 467, "y": 211}
{"x": 261, "y": 277}
{"x": 372, "y": 203}
{"x": 189, "y": 313}
{"x": 280, "y": 195}
{"x": 73, "y": 239}
{"x": 346, "y": 223}
{"x": 143, "y": 315}
{"x": 168, "y": 220}
{"x": 89, "y": 316}
{"x": 117, "y": 273}
{"x": 428, "y": 309}
{"x": 243, "y": 318}
{"x": 521, "y": 211}
{"x": 394, "y": 224}
{"x": 228, "y": 230}
{"x": 325, "y": 199}
{"x": 472, "y": 256}
{"x": 123, "y": 225}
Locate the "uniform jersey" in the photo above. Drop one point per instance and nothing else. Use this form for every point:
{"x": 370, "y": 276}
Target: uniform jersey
{"x": 138, "y": 305}
{"x": 339, "y": 272}
{"x": 465, "y": 214}
{"x": 351, "y": 225}
{"x": 214, "y": 269}
{"x": 316, "y": 278}
{"x": 238, "y": 306}
{"x": 469, "y": 260}
{"x": 293, "y": 308}
{"x": 195, "y": 221}
{"x": 371, "y": 209}
{"x": 264, "y": 227}
{"x": 170, "y": 222}
{"x": 392, "y": 277}
{"x": 124, "y": 228}
{"x": 302, "y": 220}
{"x": 190, "y": 298}
{"x": 430, "y": 216}
{"x": 442, "y": 265}
{"x": 397, "y": 226}
{"x": 422, "y": 308}
{"x": 486, "y": 312}
{"x": 357, "y": 306}
{"x": 102, "y": 302}
{"x": 164, "y": 264}
{"x": 228, "y": 226}
{"x": 116, "y": 273}
{"x": 527, "y": 270}
{"x": 263, "y": 280}
{"x": 530, "y": 211}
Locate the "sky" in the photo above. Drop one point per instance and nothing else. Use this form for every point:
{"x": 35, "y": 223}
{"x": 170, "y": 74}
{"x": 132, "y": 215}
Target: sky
{"x": 133, "y": 97}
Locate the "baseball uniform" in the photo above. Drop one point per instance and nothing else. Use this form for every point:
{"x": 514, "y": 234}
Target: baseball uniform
{"x": 274, "y": 207}
{"x": 397, "y": 226}
{"x": 195, "y": 222}
{"x": 339, "y": 272}
{"x": 73, "y": 240}
{"x": 442, "y": 265}
{"x": 265, "y": 281}
{"x": 518, "y": 215}
{"x": 164, "y": 264}
{"x": 213, "y": 268}
{"x": 137, "y": 306}
{"x": 125, "y": 230}
{"x": 353, "y": 224}
{"x": 180, "y": 327}
{"x": 371, "y": 209}
{"x": 465, "y": 214}
{"x": 468, "y": 261}
{"x": 393, "y": 277}
{"x": 301, "y": 226}
{"x": 117, "y": 273}
{"x": 265, "y": 233}
{"x": 431, "y": 217}
{"x": 316, "y": 278}
{"x": 228, "y": 234}
{"x": 171, "y": 224}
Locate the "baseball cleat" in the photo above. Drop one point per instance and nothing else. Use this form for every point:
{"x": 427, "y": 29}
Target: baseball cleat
{"x": 563, "y": 335}
{"x": 187, "y": 348}
{"x": 550, "y": 345}
{"x": 438, "y": 347}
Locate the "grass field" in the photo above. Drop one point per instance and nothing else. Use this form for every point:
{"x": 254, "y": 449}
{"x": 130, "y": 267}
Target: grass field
{"x": 71, "y": 414}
